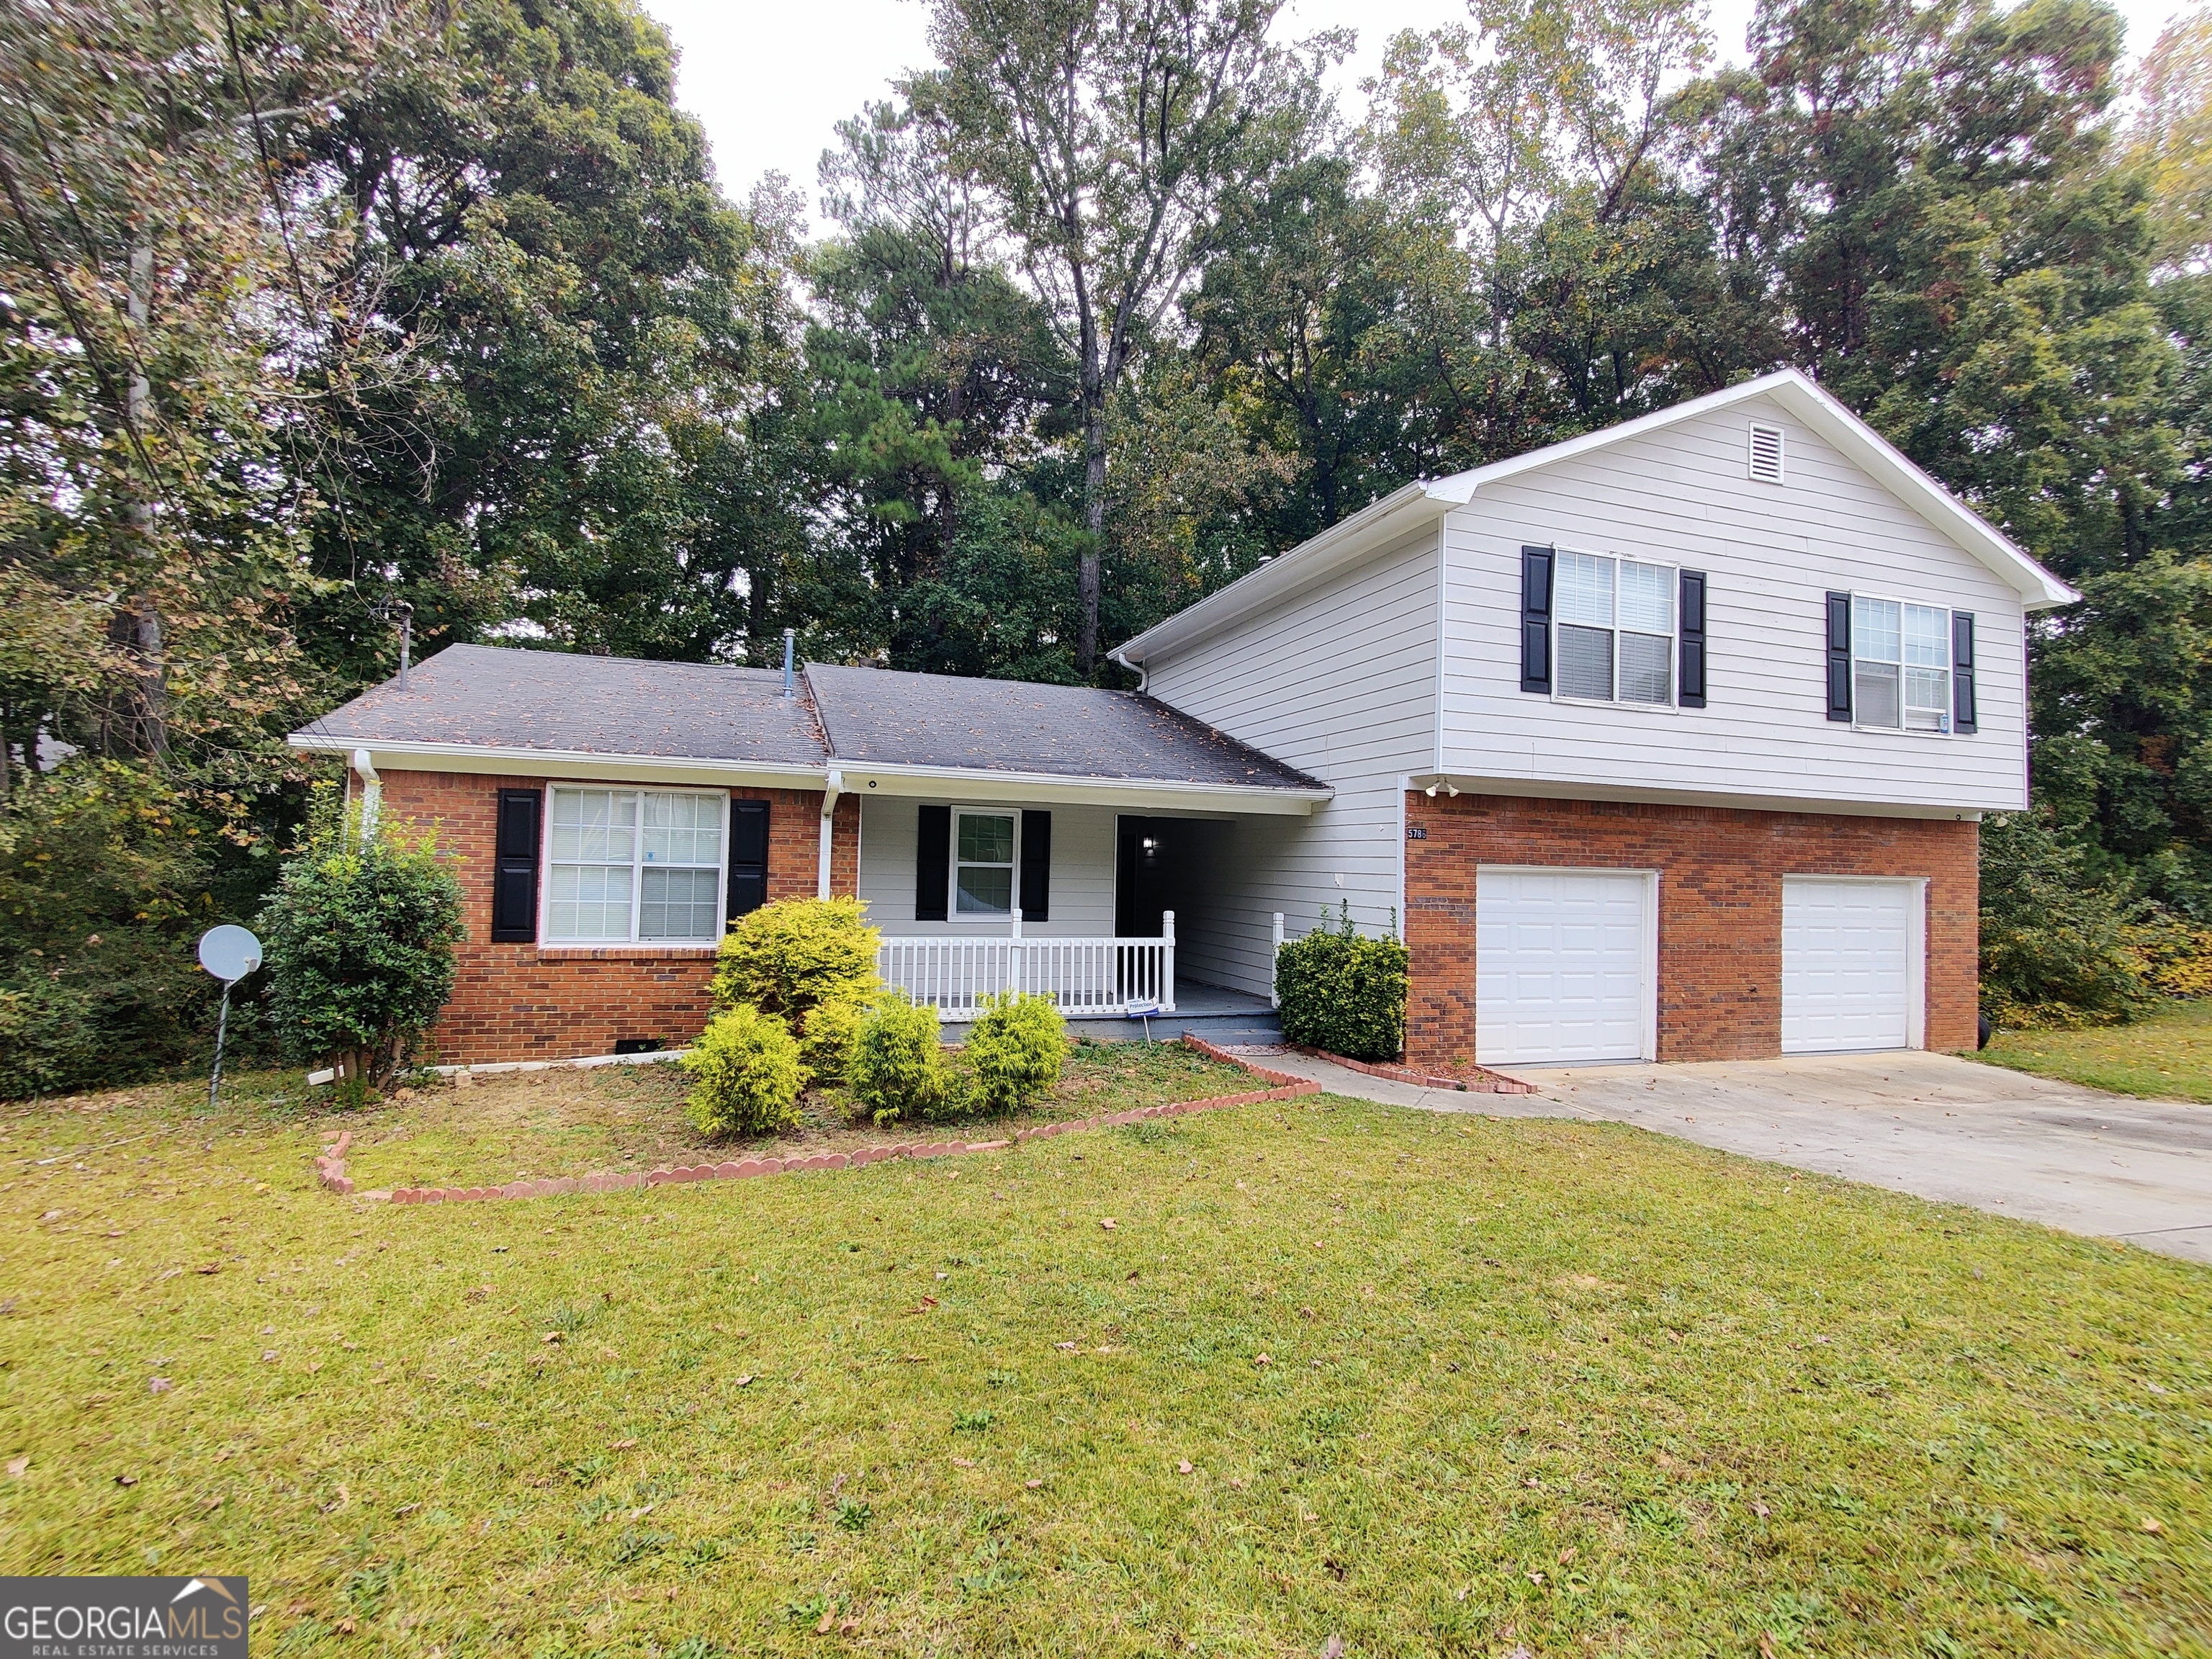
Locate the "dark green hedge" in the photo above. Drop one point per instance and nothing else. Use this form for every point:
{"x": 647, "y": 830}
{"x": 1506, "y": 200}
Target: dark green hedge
{"x": 1343, "y": 992}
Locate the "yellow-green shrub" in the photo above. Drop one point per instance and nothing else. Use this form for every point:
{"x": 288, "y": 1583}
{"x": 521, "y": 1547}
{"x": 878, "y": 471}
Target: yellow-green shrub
{"x": 789, "y": 957}
{"x": 2176, "y": 954}
{"x": 825, "y": 1039}
{"x": 745, "y": 1075}
{"x": 897, "y": 1066}
{"x": 1016, "y": 1047}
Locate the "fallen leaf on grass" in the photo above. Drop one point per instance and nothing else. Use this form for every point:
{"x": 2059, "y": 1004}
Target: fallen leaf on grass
{"x": 211, "y": 1267}
{"x": 18, "y": 1465}
{"x": 1183, "y": 1466}
{"x": 2150, "y": 1523}
{"x": 964, "y": 1463}
{"x": 1333, "y": 1649}
{"x": 552, "y": 1336}
{"x": 828, "y": 1618}
{"x": 745, "y": 1381}
{"x": 1766, "y": 1647}
{"x": 622, "y": 1445}
{"x": 346, "y": 1625}
{"x": 126, "y": 1479}
{"x": 913, "y": 1358}
{"x": 407, "y": 1509}
{"x": 1263, "y": 1360}
{"x": 1761, "y": 1510}
{"x": 1567, "y": 1556}
{"x": 1108, "y": 1224}
{"x": 1065, "y": 1347}
{"x": 159, "y": 1385}
{"x": 1032, "y": 1485}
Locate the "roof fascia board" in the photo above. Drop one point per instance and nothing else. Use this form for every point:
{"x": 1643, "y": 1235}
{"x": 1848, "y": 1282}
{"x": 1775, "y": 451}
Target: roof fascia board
{"x": 568, "y": 762}
{"x": 865, "y": 780}
{"x": 1540, "y": 789}
{"x": 1348, "y": 539}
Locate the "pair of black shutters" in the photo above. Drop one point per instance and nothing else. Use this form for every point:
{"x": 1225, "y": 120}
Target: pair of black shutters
{"x": 514, "y": 875}
{"x": 1536, "y": 569}
{"x": 933, "y": 866}
{"x": 1963, "y": 717}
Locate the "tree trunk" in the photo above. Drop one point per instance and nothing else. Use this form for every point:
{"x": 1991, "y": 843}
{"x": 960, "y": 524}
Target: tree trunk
{"x": 1094, "y": 521}
{"x": 145, "y": 611}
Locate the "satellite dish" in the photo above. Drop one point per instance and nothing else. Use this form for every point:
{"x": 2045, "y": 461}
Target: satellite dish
{"x": 230, "y": 953}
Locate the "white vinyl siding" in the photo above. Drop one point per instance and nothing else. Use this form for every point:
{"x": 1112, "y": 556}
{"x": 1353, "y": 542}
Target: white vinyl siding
{"x": 626, "y": 866}
{"x": 1679, "y": 497}
{"x": 1081, "y": 898}
{"x": 1337, "y": 679}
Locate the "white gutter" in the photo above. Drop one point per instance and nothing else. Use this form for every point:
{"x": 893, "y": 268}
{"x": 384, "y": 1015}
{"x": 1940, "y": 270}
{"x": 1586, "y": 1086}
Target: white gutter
{"x": 568, "y": 763}
{"x": 1046, "y": 788}
{"x": 833, "y": 787}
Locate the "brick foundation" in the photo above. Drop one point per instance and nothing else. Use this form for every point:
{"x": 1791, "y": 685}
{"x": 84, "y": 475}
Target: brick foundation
{"x": 1720, "y": 907}
{"x": 556, "y": 1002}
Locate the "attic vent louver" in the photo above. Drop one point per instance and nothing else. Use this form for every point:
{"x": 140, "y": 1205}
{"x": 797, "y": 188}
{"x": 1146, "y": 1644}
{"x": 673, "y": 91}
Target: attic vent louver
{"x": 1766, "y": 453}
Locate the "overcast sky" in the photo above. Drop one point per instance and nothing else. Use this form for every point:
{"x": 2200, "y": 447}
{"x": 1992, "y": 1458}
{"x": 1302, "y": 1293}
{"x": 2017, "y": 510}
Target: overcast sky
{"x": 771, "y": 81}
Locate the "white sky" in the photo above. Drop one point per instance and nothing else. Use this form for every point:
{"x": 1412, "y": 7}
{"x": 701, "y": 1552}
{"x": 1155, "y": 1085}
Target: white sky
{"x": 770, "y": 80}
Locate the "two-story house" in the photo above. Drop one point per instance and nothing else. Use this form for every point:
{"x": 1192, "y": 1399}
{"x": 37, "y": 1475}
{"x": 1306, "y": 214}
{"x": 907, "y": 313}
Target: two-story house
{"x": 1669, "y": 742}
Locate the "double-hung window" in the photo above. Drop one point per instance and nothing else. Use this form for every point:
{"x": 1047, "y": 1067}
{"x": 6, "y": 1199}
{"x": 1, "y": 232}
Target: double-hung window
{"x": 1900, "y": 664}
{"x": 983, "y": 864}
{"x": 634, "y": 865}
{"x": 1616, "y": 629}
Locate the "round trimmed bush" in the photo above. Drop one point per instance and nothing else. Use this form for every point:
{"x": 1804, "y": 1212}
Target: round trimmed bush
{"x": 897, "y": 1066}
{"x": 745, "y": 1075}
{"x": 794, "y": 955}
{"x": 825, "y": 1039}
{"x": 1016, "y": 1046}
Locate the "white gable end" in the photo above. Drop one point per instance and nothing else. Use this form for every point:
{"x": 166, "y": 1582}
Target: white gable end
{"x": 1705, "y": 489}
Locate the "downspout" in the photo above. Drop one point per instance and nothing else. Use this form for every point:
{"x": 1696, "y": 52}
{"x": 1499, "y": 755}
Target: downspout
{"x": 372, "y": 791}
{"x": 833, "y": 787}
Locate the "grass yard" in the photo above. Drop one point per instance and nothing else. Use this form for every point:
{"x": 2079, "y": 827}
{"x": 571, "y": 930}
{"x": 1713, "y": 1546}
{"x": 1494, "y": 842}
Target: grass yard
{"x": 1439, "y": 1384}
{"x": 519, "y": 1126}
{"x": 2166, "y": 1057}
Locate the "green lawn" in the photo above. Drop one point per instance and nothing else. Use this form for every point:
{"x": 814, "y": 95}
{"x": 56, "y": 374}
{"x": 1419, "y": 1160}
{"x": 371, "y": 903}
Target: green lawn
{"x": 2166, "y": 1057}
{"x": 1438, "y": 1384}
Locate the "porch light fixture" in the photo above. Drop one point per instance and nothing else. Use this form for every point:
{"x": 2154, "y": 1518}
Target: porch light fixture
{"x": 1151, "y": 844}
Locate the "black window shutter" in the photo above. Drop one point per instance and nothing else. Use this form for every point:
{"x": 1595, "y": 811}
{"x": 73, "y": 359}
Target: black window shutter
{"x": 1036, "y": 866}
{"x": 1690, "y": 686}
{"x": 747, "y": 889}
{"x": 932, "y": 863}
{"x": 514, "y": 868}
{"x": 1840, "y": 656}
{"x": 1537, "y": 619}
{"x": 1962, "y": 671}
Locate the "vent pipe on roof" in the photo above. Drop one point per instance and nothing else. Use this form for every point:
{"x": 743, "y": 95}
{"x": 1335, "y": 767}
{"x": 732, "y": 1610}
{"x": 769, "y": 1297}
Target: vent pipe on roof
{"x": 790, "y": 650}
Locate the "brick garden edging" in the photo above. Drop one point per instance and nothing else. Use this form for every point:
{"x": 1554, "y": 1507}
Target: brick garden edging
{"x": 331, "y": 1166}
{"x": 1487, "y": 1082}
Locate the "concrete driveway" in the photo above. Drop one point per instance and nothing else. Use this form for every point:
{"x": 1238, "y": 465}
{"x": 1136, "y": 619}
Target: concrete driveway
{"x": 1944, "y": 1128}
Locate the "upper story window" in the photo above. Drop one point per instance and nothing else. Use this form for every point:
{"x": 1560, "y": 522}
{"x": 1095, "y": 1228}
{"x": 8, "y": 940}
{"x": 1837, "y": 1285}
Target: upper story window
{"x": 983, "y": 864}
{"x": 1615, "y": 640}
{"x": 1897, "y": 666}
{"x": 1900, "y": 664}
{"x": 634, "y": 865}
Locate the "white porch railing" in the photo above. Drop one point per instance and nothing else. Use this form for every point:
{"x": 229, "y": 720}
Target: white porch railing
{"x": 1089, "y": 978}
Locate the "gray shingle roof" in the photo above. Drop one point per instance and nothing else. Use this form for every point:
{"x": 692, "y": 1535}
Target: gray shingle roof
{"x": 891, "y": 719}
{"x": 503, "y": 698}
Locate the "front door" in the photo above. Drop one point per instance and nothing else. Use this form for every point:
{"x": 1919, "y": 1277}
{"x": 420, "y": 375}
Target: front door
{"x": 1145, "y": 866}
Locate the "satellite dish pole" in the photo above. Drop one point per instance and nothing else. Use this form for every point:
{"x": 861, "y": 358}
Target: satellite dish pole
{"x": 230, "y": 953}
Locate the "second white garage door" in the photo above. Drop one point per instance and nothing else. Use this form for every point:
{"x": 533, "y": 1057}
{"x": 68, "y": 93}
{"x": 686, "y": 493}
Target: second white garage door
{"x": 1850, "y": 964}
{"x": 1563, "y": 961}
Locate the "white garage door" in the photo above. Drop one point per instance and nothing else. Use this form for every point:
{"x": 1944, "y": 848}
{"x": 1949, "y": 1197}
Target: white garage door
{"x": 1848, "y": 978}
{"x": 1560, "y": 965}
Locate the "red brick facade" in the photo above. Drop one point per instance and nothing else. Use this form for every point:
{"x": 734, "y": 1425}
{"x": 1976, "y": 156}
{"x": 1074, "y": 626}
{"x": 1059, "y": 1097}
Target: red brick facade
{"x": 552, "y": 1002}
{"x": 1720, "y": 907}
